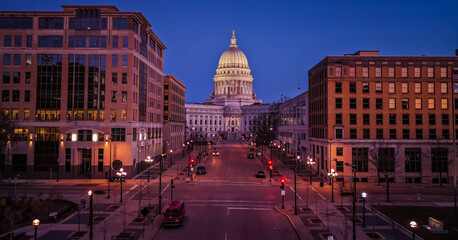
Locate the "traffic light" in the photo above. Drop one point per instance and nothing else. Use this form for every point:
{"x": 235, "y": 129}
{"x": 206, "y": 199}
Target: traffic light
{"x": 271, "y": 167}
{"x": 269, "y": 162}
{"x": 191, "y": 163}
{"x": 282, "y": 183}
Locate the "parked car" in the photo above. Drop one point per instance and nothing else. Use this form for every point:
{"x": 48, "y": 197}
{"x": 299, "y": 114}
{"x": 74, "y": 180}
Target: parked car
{"x": 174, "y": 214}
{"x": 260, "y": 174}
{"x": 201, "y": 170}
{"x": 250, "y": 155}
{"x": 215, "y": 153}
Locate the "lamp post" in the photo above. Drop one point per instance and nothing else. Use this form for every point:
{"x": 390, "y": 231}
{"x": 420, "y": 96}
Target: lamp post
{"x": 295, "y": 193}
{"x": 35, "y": 223}
{"x": 148, "y": 161}
{"x": 413, "y": 225}
{"x": 91, "y": 213}
{"x": 171, "y": 156}
{"x": 109, "y": 171}
{"x": 310, "y": 162}
{"x": 332, "y": 175}
{"x": 121, "y": 174}
{"x": 353, "y": 168}
{"x": 363, "y": 199}
{"x": 160, "y": 183}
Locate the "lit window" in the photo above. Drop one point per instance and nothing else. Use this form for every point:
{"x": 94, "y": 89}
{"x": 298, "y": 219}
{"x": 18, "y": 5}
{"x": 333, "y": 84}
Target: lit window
{"x": 338, "y": 71}
{"x": 378, "y": 87}
{"x": 123, "y": 115}
{"x": 391, "y": 88}
{"x": 417, "y": 103}
{"x": 404, "y": 72}
{"x": 431, "y": 103}
{"x": 444, "y": 88}
{"x": 430, "y": 87}
{"x": 352, "y": 72}
{"x": 404, "y": 87}
{"x": 378, "y": 72}
{"x": 365, "y": 72}
{"x": 391, "y": 72}
{"x": 417, "y": 87}
{"x": 405, "y": 103}
{"x": 443, "y": 72}
{"x": 392, "y": 103}
{"x": 430, "y": 72}
{"x": 417, "y": 72}
{"x": 444, "y": 103}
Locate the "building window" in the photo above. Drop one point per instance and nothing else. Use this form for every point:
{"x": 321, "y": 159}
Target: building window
{"x": 379, "y": 133}
{"x": 118, "y": 134}
{"x": 339, "y": 151}
{"x": 391, "y": 88}
{"x": 378, "y": 72}
{"x": 113, "y": 96}
{"x": 338, "y": 71}
{"x": 123, "y": 115}
{"x": 16, "y": 77}
{"x": 392, "y": 133}
{"x": 6, "y": 59}
{"x": 17, "y": 59}
{"x": 339, "y": 134}
{"x": 391, "y": 72}
{"x": 124, "y": 96}
{"x": 338, "y": 87}
{"x": 379, "y": 119}
{"x": 353, "y": 119}
{"x": 392, "y": 103}
{"x": 432, "y": 119}
{"x": 412, "y": 159}
{"x": 392, "y": 119}
{"x": 125, "y": 41}
{"x": 365, "y": 72}
{"x": 366, "y": 133}
{"x": 366, "y": 104}
{"x": 430, "y": 72}
{"x": 417, "y": 87}
{"x": 417, "y": 72}
{"x": 444, "y": 103}
{"x": 6, "y": 77}
{"x": 404, "y": 72}
{"x": 124, "y": 78}
{"x": 439, "y": 160}
{"x": 366, "y": 119}
{"x": 352, "y": 103}
{"x": 418, "y": 119}
{"x": 418, "y": 133}
{"x": 28, "y": 77}
{"x": 50, "y": 41}
{"x": 114, "y": 78}
{"x": 18, "y": 41}
{"x": 338, "y": 103}
{"x": 445, "y": 134}
{"x": 365, "y": 87}
{"x": 338, "y": 118}
{"x": 443, "y": 72}
{"x": 27, "y": 96}
{"x": 379, "y": 103}
{"x": 352, "y": 87}
{"x": 360, "y": 159}
{"x": 7, "y": 41}
{"x": 432, "y": 133}
{"x": 405, "y": 103}
{"x": 16, "y": 96}
{"x": 124, "y": 60}
{"x": 445, "y": 119}
{"x": 114, "y": 60}
{"x": 417, "y": 103}
{"x": 431, "y": 103}
{"x": 430, "y": 87}
{"x": 444, "y": 88}
{"x": 353, "y": 133}
{"x": 352, "y": 72}
{"x": 404, "y": 87}
{"x": 378, "y": 87}
{"x": 405, "y": 119}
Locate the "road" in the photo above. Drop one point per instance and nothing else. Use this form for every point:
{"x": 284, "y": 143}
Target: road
{"x": 229, "y": 202}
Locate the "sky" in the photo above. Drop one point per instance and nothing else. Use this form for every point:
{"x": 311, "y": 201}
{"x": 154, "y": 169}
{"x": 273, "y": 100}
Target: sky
{"x": 282, "y": 39}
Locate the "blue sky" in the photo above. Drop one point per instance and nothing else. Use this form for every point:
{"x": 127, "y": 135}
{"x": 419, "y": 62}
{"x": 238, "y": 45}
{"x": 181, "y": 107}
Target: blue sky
{"x": 282, "y": 39}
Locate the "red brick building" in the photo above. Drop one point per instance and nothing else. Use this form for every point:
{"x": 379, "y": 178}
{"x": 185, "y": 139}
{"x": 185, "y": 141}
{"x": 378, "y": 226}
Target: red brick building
{"x": 392, "y": 117}
{"x": 83, "y": 87}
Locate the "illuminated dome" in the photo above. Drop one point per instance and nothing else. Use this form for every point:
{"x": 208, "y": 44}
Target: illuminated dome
{"x": 233, "y": 57}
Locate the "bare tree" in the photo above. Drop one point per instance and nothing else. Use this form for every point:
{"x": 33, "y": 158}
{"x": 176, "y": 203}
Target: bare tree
{"x": 267, "y": 125}
{"x": 6, "y": 137}
{"x": 440, "y": 150}
{"x": 385, "y": 159}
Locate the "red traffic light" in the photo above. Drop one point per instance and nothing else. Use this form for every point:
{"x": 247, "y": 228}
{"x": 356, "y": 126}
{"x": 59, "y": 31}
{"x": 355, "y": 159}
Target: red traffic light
{"x": 251, "y": 140}
{"x": 220, "y": 137}
{"x": 192, "y": 160}
{"x": 269, "y": 162}
{"x": 283, "y": 180}
{"x": 271, "y": 167}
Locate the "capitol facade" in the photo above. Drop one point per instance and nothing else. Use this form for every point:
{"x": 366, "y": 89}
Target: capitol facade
{"x": 233, "y": 108}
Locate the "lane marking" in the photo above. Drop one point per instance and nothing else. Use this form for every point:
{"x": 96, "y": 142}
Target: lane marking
{"x": 319, "y": 194}
{"x": 297, "y": 194}
{"x": 225, "y": 236}
{"x": 165, "y": 189}
{"x": 133, "y": 187}
{"x": 247, "y": 208}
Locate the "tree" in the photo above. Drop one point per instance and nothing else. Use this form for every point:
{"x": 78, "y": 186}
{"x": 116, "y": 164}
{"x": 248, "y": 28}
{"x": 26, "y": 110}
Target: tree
{"x": 6, "y": 137}
{"x": 440, "y": 150}
{"x": 267, "y": 125}
{"x": 384, "y": 157}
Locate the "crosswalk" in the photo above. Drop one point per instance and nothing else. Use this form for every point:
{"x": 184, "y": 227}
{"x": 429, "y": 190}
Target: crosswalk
{"x": 254, "y": 205}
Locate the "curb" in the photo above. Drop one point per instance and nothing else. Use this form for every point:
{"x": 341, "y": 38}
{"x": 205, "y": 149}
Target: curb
{"x": 290, "y": 220}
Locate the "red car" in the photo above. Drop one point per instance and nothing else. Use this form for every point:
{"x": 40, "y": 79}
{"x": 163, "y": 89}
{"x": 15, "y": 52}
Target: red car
{"x": 174, "y": 214}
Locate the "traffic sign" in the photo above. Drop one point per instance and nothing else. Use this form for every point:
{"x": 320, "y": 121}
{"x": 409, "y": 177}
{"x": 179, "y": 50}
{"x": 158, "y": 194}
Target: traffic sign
{"x": 283, "y": 192}
{"x": 144, "y": 211}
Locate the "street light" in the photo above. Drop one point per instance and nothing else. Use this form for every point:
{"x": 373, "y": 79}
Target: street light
{"x": 160, "y": 182}
{"x": 148, "y": 161}
{"x": 35, "y": 223}
{"x": 310, "y": 162}
{"x": 413, "y": 225}
{"x": 295, "y": 193}
{"x": 91, "y": 213}
{"x": 363, "y": 199}
{"x": 109, "y": 170}
{"x": 121, "y": 174}
{"x": 171, "y": 157}
{"x": 332, "y": 175}
{"x": 353, "y": 168}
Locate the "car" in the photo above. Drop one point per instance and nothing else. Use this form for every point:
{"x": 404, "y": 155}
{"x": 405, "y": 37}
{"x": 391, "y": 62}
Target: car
{"x": 250, "y": 155}
{"x": 260, "y": 174}
{"x": 215, "y": 153}
{"x": 174, "y": 214}
{"x": 201, "y": 170}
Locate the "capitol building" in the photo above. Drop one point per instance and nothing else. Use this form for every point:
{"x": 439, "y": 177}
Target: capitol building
{"x": 232, "y": 109}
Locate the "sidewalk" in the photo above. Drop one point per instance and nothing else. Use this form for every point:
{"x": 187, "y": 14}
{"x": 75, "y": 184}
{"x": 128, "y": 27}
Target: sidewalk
{"x": 112, "y": 218}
